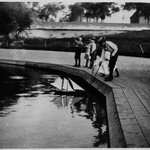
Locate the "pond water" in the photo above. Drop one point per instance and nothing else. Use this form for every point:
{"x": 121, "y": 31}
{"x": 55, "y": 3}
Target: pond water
{"x": 40, "y": 109}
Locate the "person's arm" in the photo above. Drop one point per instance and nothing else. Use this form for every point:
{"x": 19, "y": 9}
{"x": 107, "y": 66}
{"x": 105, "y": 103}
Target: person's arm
{"x": 114, "y": 51}
{"x": 112, "y": 48}
{"x": 76, "y": 41}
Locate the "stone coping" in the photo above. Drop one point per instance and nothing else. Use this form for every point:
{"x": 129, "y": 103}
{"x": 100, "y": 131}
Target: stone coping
{"x": 116, "y": 134}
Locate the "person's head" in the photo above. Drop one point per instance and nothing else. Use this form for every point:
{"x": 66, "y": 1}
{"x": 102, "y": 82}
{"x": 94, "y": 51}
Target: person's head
{"x": 92, "y": 39}
{"x": 80, "y": 39}
{"x": 101, "y": 41}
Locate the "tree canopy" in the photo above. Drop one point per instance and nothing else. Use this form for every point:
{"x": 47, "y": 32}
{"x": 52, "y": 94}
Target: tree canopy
{"x": 14, "y": 17}
{"x": 50, "y": 9}
{"x": 76, "y": 11}
{"x": 92, "y": 10}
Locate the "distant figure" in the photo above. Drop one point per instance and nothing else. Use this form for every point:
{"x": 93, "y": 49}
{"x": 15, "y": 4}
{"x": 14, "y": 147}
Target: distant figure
{"x": 87, "y": 55}
{"x": 78, "y": 50}
{"x": 92, "y": 51}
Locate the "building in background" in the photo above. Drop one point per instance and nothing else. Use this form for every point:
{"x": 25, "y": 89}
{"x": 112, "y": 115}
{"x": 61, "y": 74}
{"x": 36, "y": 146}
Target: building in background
{"x": 138, "y": 18}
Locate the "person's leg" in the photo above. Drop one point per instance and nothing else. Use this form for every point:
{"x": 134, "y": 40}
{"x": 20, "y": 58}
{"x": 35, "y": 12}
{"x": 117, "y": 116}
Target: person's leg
{"x": 102, "y": 69}
{"x": 117, "y": 72}
{"x": 91, "y": 61}
{"x": 79, "y": 59}
{"x": 112, "y": 64}
{"x": 111, "y": 68}
{"x": 75, "y": 58}
{"x": 75, "y": 62}
{"x": 87, "y": 62}
{"x": 79, "y": 62}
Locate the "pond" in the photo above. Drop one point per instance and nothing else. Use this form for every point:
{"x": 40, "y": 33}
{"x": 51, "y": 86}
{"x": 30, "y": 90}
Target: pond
{"x": 42, "y": 109}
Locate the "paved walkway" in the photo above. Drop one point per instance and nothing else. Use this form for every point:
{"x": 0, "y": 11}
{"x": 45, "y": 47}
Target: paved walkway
{"x": 131, "y": 89}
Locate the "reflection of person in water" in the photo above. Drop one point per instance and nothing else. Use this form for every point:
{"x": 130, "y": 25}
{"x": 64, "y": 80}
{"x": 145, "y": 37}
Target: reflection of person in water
{"x": 99, "y": 122}
{"x": 70, "y": 106}
{"x": 80, "y": 104}
{"x": 94, "y": 111}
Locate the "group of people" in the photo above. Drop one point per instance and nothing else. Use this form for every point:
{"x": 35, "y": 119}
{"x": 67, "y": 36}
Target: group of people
{"x": 100, "y": 55}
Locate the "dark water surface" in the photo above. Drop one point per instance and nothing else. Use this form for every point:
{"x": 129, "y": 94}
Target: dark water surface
{"x": 39, "y": 109}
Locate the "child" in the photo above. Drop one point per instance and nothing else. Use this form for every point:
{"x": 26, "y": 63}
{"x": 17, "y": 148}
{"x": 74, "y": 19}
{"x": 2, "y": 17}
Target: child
{"x": 87, "y": 55}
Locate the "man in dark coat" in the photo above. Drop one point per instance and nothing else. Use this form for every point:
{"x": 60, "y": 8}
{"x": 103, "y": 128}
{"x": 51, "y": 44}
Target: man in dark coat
{"x": 112, "y": 47}
{"x": 78, "y": 50}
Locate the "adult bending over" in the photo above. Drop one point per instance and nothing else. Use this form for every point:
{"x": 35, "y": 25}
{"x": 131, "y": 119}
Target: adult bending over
{"x": 113, "y": 49}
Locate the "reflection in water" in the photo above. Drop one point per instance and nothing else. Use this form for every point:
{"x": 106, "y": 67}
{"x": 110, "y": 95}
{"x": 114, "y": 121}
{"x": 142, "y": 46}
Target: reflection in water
{"x": 24, "y": 87}
{"x": 87, "y": 107}
{"x": 95, "y": 112}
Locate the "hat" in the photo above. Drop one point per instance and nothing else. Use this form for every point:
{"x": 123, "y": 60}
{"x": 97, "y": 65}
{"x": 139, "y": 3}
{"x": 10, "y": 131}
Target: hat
{"x": 92, "y": 38}
{"x": 101, "y": 40}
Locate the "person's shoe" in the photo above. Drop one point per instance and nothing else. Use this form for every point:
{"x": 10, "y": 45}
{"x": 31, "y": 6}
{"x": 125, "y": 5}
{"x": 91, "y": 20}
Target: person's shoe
{"x": 78, "y": 66}
{"x": 102, "y": 75}
{"x": 108, "y": 79}
{"x": 75, "y": 66}
{"x": 117, "y": 75}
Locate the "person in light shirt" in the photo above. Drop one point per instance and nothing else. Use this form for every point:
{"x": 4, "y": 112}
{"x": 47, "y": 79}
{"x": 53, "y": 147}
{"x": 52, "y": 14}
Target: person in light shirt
{"x": 92, "y": 51}
{"x": 87, "y": 55}
{"x": 113, "y": 49}
{"x": 104, "y": 67}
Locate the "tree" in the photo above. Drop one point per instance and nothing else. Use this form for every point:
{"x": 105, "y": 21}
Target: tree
{"x": 101, "y": 10}
{"x": 50, "y": 9}
{"x": 14, "y": 17}
{"x": 92, "y": 10}
{"x": 141, "y": 9}
{"x": 77, "y": 11}
{"x": 89, "y": 11}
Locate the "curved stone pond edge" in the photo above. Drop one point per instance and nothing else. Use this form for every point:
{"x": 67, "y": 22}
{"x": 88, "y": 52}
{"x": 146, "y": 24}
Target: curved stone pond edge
{"x": 116, "y": 135}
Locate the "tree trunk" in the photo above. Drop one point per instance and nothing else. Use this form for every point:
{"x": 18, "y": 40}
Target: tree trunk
{"x": 7, "y": 40}
{"x": 97, "y": 19}
{"x": 87, "y": 19}
{"x": 80, "y": 18}
{"x": 102, "y": 20}
{"x": 17, "y": 35}
{"x": 46, "y": 19}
